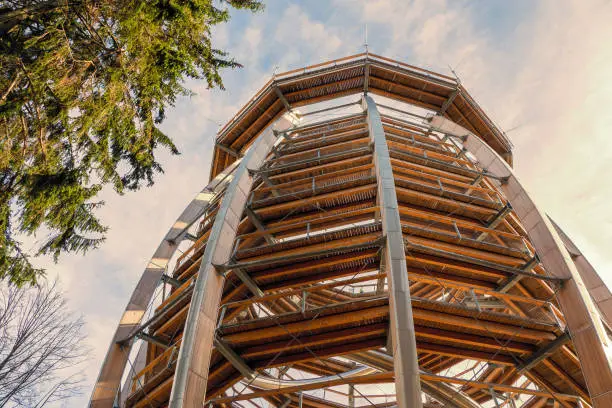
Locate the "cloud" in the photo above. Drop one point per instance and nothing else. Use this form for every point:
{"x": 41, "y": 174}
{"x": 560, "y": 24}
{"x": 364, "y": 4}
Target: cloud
{"x": 303, "y": 39}
{"x": 558, "y": 99}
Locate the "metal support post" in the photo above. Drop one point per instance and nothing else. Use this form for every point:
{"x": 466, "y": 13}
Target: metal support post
{"x": 190, "y": 379}
{"x": 407, "y": 381}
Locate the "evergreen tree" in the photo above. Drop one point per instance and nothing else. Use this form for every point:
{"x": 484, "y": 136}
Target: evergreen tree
{"x": 84, "y": 85}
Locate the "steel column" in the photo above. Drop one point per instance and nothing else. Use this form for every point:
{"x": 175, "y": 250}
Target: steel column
{"x": 595, "y": 285}
{"x": 407, "y": 381}
{"x": 191, "y": 376}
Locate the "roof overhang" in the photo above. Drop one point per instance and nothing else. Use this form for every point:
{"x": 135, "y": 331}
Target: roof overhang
{"x": 355, "y": 74}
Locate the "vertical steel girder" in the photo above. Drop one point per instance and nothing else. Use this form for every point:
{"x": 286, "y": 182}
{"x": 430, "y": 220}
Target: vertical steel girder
{"x": 191, "y": 375}
{"x": 597, "y": 288}
{"x": 407, "y": 382}
{"x": 583, "y": 321}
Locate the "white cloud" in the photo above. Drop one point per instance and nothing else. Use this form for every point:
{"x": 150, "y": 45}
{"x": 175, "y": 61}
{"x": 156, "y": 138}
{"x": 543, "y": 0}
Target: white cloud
{"x": 561, "y": 95}
{"x": 253, "y": 37}
{"x": 305, "y": 41}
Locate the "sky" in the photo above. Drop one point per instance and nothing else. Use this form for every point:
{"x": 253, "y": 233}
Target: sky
{"x": 540, "y": 69}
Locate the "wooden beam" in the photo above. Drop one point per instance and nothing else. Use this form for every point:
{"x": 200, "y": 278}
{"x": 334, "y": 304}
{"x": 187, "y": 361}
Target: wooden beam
{"x": 228, "y": 150}
{"x": 447, "y": 103}
{"x": 496, "y": 387}
{"x": 364, "y": 379}
{"x": 259, "y": 225}
{"x": 280, "y": 95}
{"x": 231, "y": 356}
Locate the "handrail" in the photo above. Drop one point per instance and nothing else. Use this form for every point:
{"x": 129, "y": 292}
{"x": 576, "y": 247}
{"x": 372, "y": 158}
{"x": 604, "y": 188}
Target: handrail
{"x": 328, "y": 64}
{"x": 163, "y": 357}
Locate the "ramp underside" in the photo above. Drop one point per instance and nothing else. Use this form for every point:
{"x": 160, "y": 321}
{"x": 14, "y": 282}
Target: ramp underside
{"x": 306, "y": 292}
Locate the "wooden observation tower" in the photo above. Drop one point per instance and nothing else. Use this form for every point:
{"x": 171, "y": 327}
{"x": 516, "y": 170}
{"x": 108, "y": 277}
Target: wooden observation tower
{"x": 363, "y": 241}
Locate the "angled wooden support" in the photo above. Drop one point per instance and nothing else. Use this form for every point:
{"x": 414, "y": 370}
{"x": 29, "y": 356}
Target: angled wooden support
{"x": 234, "y": 359}
{"x": 450, "y": 397}
{"x": 152, "y": 339}
{"x": 286, "y": 403}
{"x": 280, "y": 95}
{"x": 248, "y": 282}
{"x": 494, "y": 397}
{"x": 583, "y": 320}
{"x": 269, "y": 183}
{"x": 191, "y": 237}
{"x": 171, "y": 281}
{"x": 595, "y": 285}
{"x": 447, "y": 103}
{"x": 275, "y": 152}
{"x": 228, "y": 150}
{"x": 259, "y": 225}
{"x": 509, "y": 283}
{"x": 530, "y": 264}
{"x": 544, "y": 352}
{"x": 497, "y": 219}
{"x": 513, "y": 280}
{"x": 407, "y": 381}
{"x": 109, "y": 379}
{"x": 191, "y": 376}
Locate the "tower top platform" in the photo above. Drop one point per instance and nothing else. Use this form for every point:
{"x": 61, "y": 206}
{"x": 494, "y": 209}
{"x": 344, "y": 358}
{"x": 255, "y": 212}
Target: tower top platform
{"x": 355, "y": 74}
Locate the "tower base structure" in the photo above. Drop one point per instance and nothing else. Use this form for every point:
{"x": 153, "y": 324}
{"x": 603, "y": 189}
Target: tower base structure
{"x": 363, "y": 242}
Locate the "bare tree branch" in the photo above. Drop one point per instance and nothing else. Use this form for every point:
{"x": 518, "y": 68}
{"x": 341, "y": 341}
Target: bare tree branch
{"x": 40, "y": 341}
